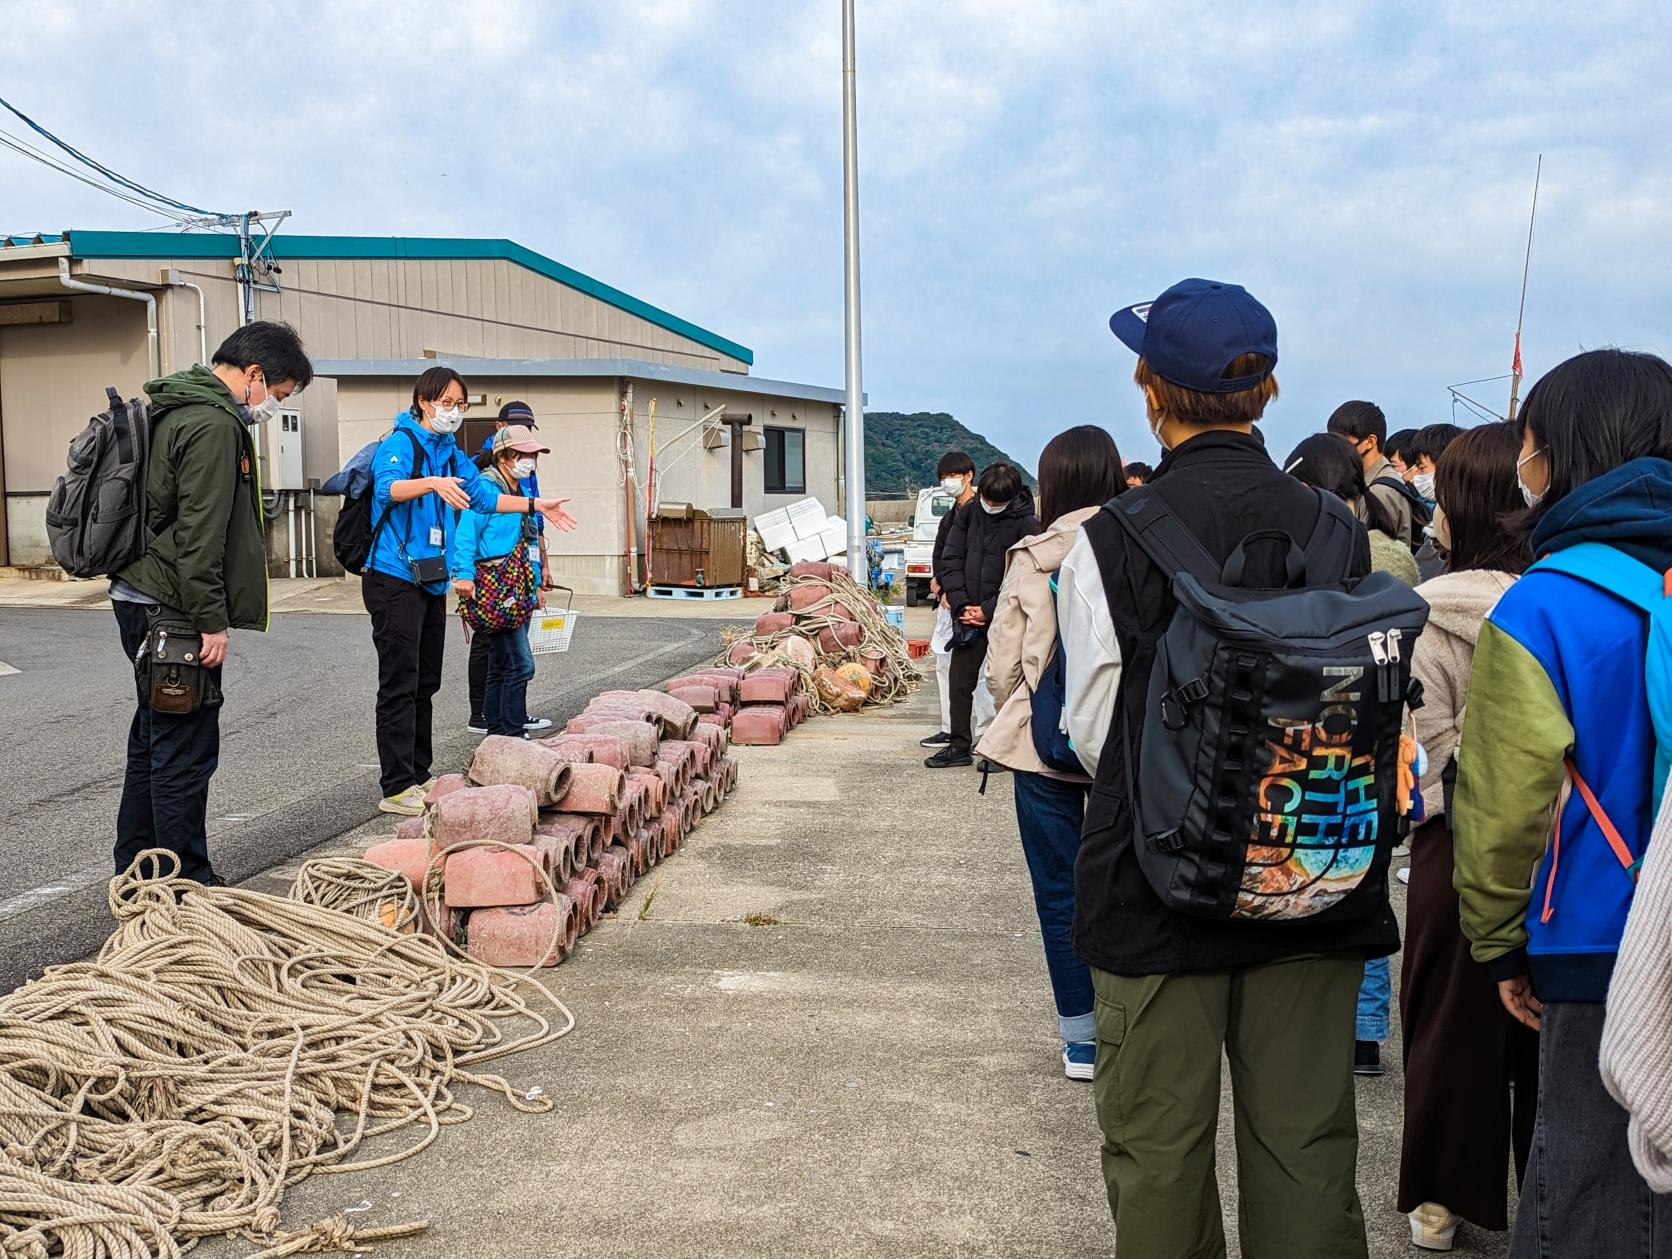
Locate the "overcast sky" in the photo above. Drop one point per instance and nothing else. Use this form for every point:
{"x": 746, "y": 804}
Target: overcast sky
{"x": 1026, "y": 167}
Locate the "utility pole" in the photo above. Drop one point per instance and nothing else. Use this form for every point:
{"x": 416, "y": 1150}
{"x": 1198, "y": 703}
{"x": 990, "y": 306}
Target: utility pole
{"x": 1526, "y": 269}
{"x": 854, "y": 410}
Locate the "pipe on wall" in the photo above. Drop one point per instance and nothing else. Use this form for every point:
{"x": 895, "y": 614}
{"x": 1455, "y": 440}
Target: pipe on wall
{"x": 171, "y": 278}
{"x": 133, "y": 295}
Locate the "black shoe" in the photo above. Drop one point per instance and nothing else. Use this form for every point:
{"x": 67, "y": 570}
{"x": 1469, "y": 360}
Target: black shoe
{"x": 992, "y": 767}
{"x": 935, "y": 740}
{"x": 949, "y": 757}
{"x": 1367, "y": 1058}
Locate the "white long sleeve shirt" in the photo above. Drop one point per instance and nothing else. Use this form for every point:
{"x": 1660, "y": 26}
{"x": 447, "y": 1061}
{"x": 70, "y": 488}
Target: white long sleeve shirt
{"x": 1091, "y": 654}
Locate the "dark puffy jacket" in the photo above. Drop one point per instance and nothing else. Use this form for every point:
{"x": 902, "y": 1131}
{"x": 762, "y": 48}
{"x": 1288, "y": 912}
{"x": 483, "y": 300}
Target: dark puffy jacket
{"x": 972, "y": 561}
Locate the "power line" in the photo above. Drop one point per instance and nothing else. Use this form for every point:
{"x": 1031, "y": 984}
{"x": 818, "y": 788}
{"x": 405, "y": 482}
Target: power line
{"x": 116, "y": 178}
{"x": 24, "y": 149}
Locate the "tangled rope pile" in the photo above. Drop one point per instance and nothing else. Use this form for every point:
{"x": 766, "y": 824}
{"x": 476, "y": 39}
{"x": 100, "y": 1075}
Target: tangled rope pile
{"x": 895, "y": 675}
{"x": 224, "y": 1045}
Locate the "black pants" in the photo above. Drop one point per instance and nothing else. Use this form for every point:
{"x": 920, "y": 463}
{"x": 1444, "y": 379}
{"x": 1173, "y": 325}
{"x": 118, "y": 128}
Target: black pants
{"x": 964, "y": 675}
{"x": 409, "y": 630}
{"x": 171, "y": 758}
{"x": 479, "y": 644}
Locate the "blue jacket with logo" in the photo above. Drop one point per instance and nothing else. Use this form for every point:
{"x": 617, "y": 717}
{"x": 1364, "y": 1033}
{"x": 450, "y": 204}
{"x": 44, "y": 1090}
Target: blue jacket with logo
{"x": 1559, "y": 676}
{"x": 407, "y": 532}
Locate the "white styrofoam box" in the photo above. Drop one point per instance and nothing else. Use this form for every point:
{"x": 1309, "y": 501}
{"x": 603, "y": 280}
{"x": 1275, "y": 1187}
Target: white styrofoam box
{"x": 776, "y": 536}
{"x": 835, "y": 539}
{"x": 808, "y": 549}
{"x": 807, "y": 518}
{"x": 775, "y": 528}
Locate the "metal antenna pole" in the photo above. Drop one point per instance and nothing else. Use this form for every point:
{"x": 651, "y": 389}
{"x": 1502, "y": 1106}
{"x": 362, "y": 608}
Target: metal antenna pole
{"x": 1526, "y": 269}
{"x": 854, "y": 411}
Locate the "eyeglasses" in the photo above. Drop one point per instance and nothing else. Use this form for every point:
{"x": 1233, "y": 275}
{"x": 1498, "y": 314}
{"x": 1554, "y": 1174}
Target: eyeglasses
{"x": 452, "y": 404}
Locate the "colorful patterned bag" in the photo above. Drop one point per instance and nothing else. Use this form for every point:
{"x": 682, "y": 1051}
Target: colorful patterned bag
{"x": 505, "y": 597}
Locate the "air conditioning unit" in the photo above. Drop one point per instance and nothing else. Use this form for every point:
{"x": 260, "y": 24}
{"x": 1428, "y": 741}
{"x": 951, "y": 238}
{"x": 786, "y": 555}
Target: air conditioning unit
{"x": 281, "y": 452}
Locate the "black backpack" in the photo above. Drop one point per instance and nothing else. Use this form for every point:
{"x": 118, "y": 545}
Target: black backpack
{"x": 1265, "y": 782}
{"x": 1045, "y": 712}
{"x": 355, "y": 534}
{"x": 1421, "y": 516}
{"x": 96, "y": 513}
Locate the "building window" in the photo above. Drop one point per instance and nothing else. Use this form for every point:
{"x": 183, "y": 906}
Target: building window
{"x": 786, "y": 461}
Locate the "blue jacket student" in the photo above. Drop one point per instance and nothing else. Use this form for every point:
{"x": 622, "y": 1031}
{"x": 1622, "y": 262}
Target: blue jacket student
{"x": 486, "y": 537}
{"x": 1559, "y": 702}
{"x": 419, "y": 528}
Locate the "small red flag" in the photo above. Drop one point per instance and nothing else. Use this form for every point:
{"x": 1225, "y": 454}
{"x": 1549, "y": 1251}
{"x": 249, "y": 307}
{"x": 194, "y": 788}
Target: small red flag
{"x": 1517, "y": 367}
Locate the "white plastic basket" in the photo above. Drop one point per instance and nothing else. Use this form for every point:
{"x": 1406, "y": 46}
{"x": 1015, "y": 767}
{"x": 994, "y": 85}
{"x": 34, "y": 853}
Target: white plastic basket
{"x": 550, "y": 629}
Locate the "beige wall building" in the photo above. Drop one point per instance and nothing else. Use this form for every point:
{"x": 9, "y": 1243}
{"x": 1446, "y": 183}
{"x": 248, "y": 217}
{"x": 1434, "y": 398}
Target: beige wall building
{"x": 92, "y": 309}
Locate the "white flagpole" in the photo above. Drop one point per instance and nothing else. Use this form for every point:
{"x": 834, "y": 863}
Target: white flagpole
{"x": 854, "y": 411}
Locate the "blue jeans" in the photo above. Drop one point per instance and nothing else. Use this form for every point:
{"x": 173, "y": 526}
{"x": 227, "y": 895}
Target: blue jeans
{"x": 1375, "y": 998}
{"x": 1582, "y": 1197}
{"x": 1049, "y": 814}
{"x": 510, "y": 666}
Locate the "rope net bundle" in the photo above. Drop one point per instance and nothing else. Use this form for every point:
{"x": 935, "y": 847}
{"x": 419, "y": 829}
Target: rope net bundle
{"x": 225, "y": 1044}
{"x": 899, "y": 678}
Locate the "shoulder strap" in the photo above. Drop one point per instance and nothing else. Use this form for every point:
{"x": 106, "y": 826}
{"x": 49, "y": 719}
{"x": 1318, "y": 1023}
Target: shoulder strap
{"x": 1329, "y": 551}
{"x": 1147, "y": 519}
{"x": 419, "y": 460}
{"x": 1612, "y": 570}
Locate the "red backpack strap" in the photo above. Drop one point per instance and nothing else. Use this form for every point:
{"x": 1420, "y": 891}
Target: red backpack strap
{"x": 1610, "y": 832}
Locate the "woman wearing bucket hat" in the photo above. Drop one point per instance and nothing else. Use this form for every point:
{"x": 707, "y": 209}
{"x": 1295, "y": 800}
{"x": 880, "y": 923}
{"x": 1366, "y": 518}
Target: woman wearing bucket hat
{"x": 494, "y": 561}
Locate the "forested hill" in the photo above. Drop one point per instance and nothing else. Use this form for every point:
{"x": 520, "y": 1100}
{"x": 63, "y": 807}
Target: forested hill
{"x": 901, "y": 450}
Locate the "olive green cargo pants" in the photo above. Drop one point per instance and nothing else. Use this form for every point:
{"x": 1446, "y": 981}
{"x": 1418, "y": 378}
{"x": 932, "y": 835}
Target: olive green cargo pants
{"x": 1287, "y": 1029}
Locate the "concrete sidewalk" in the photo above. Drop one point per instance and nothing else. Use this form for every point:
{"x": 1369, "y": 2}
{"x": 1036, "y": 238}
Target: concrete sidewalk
{"x": 342, "y": 595}
{"x": 822, "y": 1028}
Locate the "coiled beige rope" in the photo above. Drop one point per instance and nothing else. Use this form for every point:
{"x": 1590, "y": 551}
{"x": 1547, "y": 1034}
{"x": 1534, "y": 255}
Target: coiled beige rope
{"x": 225, "y": 1044}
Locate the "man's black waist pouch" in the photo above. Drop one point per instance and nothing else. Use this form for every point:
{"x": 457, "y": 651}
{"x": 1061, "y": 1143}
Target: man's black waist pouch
{"x": 170, "y": 665}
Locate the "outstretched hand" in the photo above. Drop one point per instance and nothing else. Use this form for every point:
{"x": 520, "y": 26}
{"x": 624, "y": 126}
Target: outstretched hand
{"x": 451, "y": 491}
{"x": 552, "y": 510}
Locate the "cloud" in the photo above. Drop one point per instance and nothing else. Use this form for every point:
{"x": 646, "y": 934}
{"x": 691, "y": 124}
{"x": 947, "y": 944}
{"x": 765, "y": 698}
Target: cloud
{"x": 1365, "y": 169}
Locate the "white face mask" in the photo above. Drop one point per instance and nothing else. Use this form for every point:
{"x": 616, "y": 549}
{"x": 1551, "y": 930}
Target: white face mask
{"x": 523, "y": 469}
{"x": 1531, "y": 499}
{"x": 953, "y": 485}
{"x": 266, "y": 409}
{"x": 990, "y": 509}
{"x": 447, "y": 420}
{"x": 1423, "y": 484}
{"x": 1440, "y": 530}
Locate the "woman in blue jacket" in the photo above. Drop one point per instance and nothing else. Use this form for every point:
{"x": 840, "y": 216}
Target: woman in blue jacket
{"x": 492, "y": 537}
{"x": 422, "y": 480}
{"x": 1562, "y": 758}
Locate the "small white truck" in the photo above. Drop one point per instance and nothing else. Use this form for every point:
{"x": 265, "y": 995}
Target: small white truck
{"x": 932, "y": 504}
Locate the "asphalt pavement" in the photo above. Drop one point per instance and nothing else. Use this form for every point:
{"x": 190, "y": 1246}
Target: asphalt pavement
{"x": 298, "y": 760}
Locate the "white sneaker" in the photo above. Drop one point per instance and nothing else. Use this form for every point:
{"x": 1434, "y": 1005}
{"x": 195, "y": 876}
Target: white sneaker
{"x": 538, "y": 723}
{"x": 1403, "y": 874}
{"x": 1433, "y": 1227}
{"x": 408, "y": 803}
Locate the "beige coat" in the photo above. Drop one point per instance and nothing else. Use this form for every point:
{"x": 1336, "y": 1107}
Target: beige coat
{"x": 1458, "y": 603}
{"x": 1023, "y": 638}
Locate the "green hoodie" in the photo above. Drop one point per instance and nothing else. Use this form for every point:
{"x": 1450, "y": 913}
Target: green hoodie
{"x": 209, "y": 558}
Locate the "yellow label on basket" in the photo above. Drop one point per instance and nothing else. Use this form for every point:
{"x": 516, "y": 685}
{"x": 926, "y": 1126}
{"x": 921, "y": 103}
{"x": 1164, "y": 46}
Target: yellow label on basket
{"x": 551, "y": 624}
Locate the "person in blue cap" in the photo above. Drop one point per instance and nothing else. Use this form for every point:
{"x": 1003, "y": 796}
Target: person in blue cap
{"x": 1176, "y": 992}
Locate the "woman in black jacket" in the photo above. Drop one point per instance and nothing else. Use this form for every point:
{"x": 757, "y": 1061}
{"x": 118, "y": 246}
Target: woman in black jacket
{"x": 972, "y": 567}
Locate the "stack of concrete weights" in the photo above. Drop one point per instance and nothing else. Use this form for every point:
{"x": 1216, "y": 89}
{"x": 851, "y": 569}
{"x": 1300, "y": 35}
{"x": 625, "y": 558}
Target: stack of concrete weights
{"x": 593, "y": 809}
{"x": 758, "y": 707}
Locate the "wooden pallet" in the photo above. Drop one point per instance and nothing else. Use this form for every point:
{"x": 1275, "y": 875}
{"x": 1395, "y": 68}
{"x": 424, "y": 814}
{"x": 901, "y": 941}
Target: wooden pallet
{"x": 696, "y": 592}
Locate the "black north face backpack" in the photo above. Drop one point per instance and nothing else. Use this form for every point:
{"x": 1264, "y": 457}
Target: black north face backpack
{"x": 1265, "y": 780}
{"x": 96, "y": 512}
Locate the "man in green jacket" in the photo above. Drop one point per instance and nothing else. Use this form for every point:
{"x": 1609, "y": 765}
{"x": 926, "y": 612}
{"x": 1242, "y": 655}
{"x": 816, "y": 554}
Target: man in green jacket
{"x": 203, "y": 573}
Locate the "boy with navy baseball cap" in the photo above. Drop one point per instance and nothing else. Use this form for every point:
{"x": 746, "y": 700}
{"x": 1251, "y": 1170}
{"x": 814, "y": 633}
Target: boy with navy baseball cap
{"x": 1177, "y": 991}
